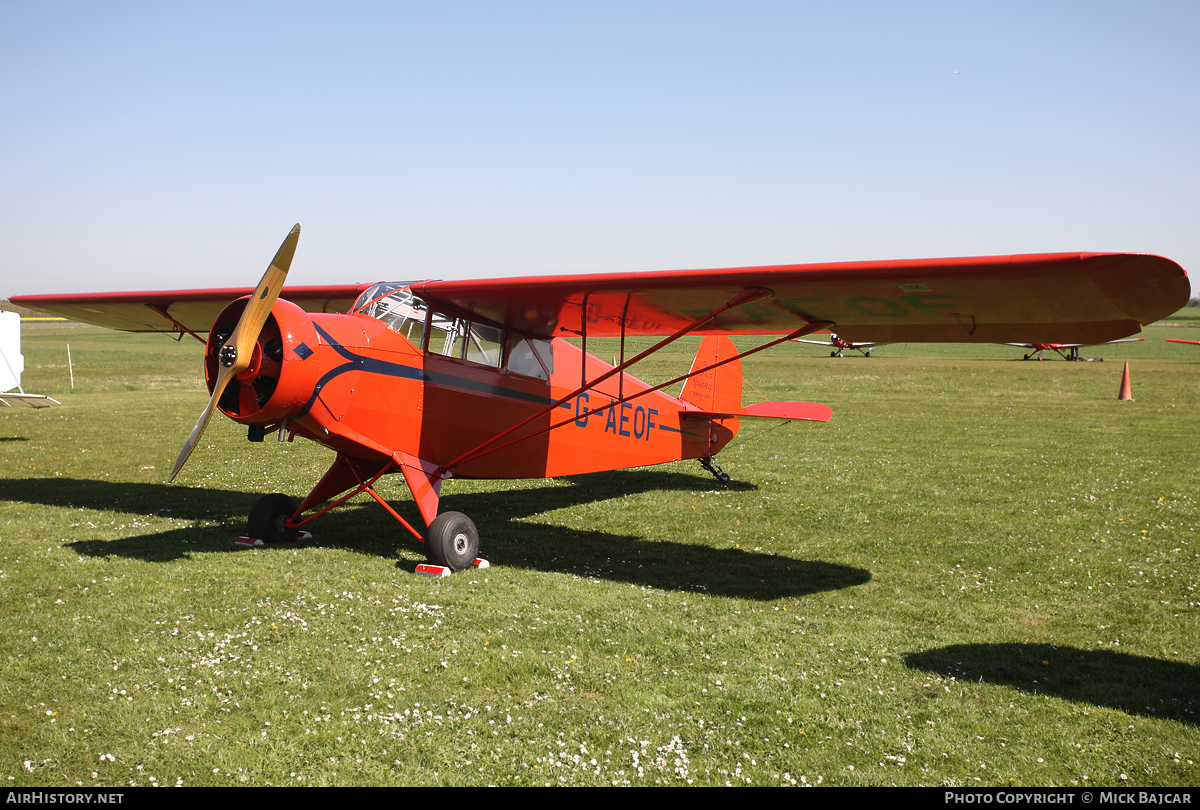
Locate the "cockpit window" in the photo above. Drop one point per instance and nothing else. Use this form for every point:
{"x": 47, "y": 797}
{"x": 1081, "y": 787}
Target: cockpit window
{"x": 446, "y": 335}
{"x": 485, "y": 344}
{"x": 465, "y": 340}
{"x": 533, "y": 358}
{"x": 450, "y": 336}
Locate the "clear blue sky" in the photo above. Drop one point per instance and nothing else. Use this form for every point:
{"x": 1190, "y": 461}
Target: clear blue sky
{"x": 165, "y": 145}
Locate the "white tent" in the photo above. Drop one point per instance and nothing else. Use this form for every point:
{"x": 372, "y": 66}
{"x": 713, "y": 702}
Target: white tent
{"x": 12, "y": 364}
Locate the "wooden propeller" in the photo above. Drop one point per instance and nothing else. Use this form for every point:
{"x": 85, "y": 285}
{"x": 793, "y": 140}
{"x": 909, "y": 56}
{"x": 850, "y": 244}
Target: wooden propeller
{"x": 235, "y": 354}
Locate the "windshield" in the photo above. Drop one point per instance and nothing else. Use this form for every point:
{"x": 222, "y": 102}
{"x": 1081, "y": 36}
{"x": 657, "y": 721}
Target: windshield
{"x": 397, "y": 307}
{"x": 376, "y": 292}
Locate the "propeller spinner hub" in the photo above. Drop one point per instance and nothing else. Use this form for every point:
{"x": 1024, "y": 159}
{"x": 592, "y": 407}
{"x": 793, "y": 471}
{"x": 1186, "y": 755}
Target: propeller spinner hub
{"x": 255, "y": 366}
{"x": 228, "y": 355}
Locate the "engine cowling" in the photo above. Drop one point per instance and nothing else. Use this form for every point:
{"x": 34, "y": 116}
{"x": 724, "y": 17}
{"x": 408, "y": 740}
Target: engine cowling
{"x": 283, "y": 371}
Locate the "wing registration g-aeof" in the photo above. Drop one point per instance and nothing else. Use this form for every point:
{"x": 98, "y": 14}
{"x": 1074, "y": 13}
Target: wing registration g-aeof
{"x": 434, "y": 379}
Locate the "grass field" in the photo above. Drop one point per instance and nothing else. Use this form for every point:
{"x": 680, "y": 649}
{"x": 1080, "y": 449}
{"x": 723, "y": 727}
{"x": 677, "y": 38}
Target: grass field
{"x": 982, "y": 572}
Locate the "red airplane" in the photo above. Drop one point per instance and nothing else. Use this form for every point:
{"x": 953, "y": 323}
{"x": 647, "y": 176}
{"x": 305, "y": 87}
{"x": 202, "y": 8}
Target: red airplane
{"x": 434, "y": 379}
{"x": 840, "y": 345}
{"x": 1071, "y": 349}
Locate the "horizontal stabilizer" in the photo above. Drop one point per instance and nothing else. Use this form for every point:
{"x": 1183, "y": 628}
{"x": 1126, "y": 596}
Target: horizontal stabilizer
{"x": 810, "y": 411}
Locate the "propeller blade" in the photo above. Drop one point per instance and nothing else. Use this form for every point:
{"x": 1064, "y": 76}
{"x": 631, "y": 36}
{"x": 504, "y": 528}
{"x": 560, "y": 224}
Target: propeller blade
{"x": 258, "y": 309}
{"x": 198, "y": 430}
{"x": 235, "y": 354}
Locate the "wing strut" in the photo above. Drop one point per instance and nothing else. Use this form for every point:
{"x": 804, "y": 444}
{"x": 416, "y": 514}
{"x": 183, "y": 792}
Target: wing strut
{"x": 746, "y": 296}
{"x": 804, "y": 330}
{"x": 624, "y": 315}
{"x": 583, "y": 333}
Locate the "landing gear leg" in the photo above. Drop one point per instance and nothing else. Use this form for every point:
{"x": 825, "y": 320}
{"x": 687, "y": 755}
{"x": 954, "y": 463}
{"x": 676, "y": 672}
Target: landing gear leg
{"x": 718, "y": 473}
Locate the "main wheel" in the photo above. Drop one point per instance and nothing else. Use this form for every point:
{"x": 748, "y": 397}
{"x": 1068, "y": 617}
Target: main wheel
{"x": 452, "y": 541}
{"x": 267, "y": 517}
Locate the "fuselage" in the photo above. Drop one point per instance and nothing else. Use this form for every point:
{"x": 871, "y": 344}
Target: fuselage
{"x": 396, "y": 375}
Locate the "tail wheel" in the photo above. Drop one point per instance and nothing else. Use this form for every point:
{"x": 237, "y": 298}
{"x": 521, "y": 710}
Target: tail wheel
{"x": 267, "y": 517}
{"x": 452, "y": 541}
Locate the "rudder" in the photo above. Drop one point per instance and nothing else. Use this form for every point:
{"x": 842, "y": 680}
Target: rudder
{"x": 717, "y": 390}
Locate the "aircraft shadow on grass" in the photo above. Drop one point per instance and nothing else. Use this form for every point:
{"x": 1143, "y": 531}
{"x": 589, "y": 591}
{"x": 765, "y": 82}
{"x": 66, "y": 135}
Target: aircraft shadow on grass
{"x": 509, "y": 540}
{"x": 1133, "y": 684}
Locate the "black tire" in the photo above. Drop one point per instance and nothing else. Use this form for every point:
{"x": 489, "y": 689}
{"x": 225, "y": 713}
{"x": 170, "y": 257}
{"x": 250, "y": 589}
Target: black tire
{"x": 267, "y": 517}
{"x": 452, "y": 541}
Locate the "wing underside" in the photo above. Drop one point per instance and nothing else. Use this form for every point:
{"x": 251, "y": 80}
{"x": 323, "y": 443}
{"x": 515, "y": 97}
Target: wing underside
{"x": 195, "y": 310}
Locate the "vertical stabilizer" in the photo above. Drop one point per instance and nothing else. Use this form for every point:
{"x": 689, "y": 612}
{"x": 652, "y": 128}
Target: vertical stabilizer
{"x": 717, "y": 390}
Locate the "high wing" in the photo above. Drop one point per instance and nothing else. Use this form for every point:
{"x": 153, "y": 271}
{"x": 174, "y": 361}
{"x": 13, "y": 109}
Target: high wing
{"x": 1088, "y": 297}
{"x": 194, "y": 310}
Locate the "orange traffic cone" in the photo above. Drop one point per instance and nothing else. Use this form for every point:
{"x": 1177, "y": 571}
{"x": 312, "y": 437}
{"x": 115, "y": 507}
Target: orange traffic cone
{"x": 1126, "y": 393}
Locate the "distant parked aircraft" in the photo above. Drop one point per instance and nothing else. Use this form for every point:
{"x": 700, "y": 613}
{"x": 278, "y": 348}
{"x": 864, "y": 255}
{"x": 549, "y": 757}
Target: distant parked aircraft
{"x": 1067, "y": 351}
{"x": 839, "y": 345}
